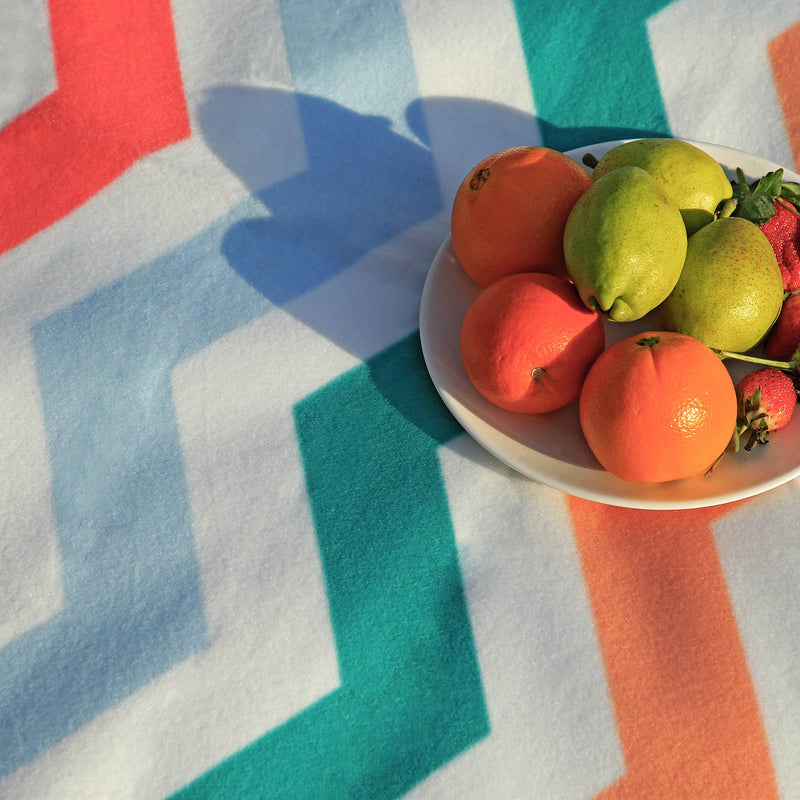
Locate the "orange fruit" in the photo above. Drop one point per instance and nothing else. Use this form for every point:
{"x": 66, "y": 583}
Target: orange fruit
{"x": 527, "y": 342}
{"x": 658, "y": 406}
{"x": 509, "y": 213}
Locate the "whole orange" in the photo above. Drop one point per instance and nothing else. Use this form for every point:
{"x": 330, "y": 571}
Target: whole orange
{"x": 509, "y": 213}
{"x": 527, "y": 342}
{"x": 658, "y": 406}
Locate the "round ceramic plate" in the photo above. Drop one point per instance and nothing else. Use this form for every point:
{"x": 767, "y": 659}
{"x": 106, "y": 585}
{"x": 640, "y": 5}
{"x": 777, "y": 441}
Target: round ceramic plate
{"x": 550, "y": 447}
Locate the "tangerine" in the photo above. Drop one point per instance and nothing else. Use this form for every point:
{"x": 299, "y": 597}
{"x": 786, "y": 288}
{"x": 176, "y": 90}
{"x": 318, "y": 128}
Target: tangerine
{"x": 509, "y": 213}
{"x": 527, "y": 342}
{"x": 658, "y": 406}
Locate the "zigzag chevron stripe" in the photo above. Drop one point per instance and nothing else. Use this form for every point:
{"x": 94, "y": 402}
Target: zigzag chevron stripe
{"x": 593, "y": 101}
{"x": 141, "y": 110}
{"x": 276, "y": 315}
{"x": 680, "y": 690}
{"x": 693, "y": 42}
{"x": 784, "y": 56}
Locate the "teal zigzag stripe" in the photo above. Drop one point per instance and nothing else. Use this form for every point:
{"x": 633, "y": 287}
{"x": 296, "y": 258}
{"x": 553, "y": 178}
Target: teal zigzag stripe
{"x": 411, "y": 697}
{"x": 580, "y": 58}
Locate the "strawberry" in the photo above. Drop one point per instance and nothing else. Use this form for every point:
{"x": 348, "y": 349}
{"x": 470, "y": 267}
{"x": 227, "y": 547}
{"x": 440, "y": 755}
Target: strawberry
{"x": 784, "y": 338}
{"x": 767, "y": 398}
{"x": 783, "y": 232}
{"x": 772, "y": 204}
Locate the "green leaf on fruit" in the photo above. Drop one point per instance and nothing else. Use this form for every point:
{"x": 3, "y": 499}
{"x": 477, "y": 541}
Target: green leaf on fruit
{"x": 740, "y": 185}
{"x": 758, "y": 208}
{"x": 755, "y": 201}
{"x": 790, "y": 197}
{"x": 752, "y": 403}
{"x": 770, "y": 184}
{"x": 791, "y": 192}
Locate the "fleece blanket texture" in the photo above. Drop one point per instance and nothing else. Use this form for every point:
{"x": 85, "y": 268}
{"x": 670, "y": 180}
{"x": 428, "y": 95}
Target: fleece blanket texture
{"x": 245, "y": 549}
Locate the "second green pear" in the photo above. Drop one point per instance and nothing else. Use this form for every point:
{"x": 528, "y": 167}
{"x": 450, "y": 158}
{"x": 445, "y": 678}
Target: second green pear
{"x": 730, "y": 291}
{"x": 624, "y": 244}
{"x": 694, "y": 181}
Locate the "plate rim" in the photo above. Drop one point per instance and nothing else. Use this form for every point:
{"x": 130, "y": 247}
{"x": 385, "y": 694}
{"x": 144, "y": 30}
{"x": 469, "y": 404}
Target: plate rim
{"x": 462, "y": 414}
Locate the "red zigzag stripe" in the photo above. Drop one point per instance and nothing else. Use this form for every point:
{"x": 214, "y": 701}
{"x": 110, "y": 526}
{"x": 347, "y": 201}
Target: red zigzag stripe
{"x": 119, "y": 97}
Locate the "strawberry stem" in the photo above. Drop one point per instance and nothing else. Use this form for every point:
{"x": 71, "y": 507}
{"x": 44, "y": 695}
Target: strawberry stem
{"x": 789, "y": 366}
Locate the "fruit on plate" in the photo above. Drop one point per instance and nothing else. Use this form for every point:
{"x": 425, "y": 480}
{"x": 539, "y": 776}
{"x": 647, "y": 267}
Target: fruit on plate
{"x": 509, "y": 213}
{"x": 658, "y": 406}
{"x": 767, "y": 398}
{"x": 527, "y": 342}
{"x": 783, "y": 233}
{"x": 730, "y": 291}
{"x": 774, "y": 205}
{"x": 784, "y": 338}
{"x": 694, "y": 181}
{"x": 624, "y": 244}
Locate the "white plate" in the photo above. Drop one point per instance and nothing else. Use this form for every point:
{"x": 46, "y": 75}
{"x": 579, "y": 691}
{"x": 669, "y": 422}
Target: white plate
{"x": 550, "y": 447}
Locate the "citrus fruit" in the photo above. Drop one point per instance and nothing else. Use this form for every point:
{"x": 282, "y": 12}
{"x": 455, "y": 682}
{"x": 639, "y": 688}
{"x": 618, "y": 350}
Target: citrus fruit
{"x": 509, "y": 213}
{"x": 527, "y": 342}
{"x": 730, "y": 290}
{"x": 658, "y": 406}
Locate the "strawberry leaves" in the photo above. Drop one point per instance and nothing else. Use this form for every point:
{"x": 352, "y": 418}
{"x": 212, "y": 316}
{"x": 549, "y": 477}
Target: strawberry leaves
{"x": 790, "y": 192}
{"x": 755, "y": 201}
{"x": 752, "y": 417}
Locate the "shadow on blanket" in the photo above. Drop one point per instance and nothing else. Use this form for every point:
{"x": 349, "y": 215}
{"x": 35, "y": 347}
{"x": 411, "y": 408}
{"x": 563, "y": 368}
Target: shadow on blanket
{"x": 354, "y": 210}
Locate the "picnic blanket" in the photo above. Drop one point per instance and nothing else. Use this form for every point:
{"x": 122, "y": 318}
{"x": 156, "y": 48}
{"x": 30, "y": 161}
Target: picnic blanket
{"x": 245, "y": 550}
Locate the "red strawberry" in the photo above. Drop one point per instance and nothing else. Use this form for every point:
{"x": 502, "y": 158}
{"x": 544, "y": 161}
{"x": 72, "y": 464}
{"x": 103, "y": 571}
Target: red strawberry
{"x": 784, "y": 338}
{"x": 767, "y": 398}
{"x": 774, "y": 205}
{"x": 783, "y": 232}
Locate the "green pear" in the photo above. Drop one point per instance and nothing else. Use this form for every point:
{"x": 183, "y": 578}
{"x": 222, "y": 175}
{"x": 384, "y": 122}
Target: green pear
{"x": 624, "y": 244}
{"x": 730, "y": 291}
{"x": 694, "y": 181}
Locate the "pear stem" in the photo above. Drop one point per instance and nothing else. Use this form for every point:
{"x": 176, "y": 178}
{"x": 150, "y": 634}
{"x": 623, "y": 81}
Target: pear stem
{"x": 590, "y": 160}
{"x": 728, "y": 207}
{"x": 767, "y": 362}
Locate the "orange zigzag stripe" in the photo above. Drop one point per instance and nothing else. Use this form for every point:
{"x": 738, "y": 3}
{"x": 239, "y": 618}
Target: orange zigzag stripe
{"x": 687, "y": 714}
{"x": 784, "y": 57}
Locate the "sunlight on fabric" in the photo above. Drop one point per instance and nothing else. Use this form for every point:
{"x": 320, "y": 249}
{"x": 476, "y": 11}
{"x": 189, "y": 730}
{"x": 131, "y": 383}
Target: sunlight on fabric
{"x": 26, "y": 57}
{"x": 27, "y": 532}
{"x": 705, "y": 33}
